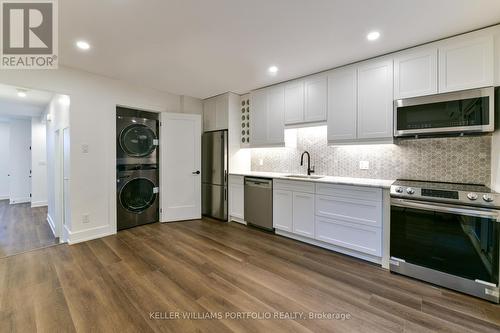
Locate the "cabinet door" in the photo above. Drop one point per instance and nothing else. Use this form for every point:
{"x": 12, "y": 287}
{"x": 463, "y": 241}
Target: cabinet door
{"x": 466, "y": 64}
{"x": 294, "y": 103}
{"x": 342, "y": 104}
{"x": 236, "y": 201}
{"x": 315, "y": 99}
{"x": 276, "y": 116}
{"x": 375, "y": 93}
{"x": 282, "y": 210}
{"x": 258, "y": 118}
{"x": 303, "y": 214}
{"x": 415, "y": 74}
{"x": 209, "y": 114}
{"x": 221, "y": 111}
{"x": 497, "y": 59}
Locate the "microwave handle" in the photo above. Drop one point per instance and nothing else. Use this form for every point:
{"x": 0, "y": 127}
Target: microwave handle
{"x": 492, "y": 214}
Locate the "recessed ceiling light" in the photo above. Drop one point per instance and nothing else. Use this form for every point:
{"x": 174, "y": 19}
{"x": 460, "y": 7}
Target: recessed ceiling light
{"x": 21, "y": 93}
{"x": 272, "y": 70}
{"x": 374, "y": 35}
{"x": 82, "y": 45}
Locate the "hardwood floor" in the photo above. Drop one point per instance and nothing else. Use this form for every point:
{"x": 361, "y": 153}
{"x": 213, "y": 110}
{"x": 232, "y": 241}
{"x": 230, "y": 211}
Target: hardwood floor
{"x": 114, "y": 283}
{"x": 23, "y": 228}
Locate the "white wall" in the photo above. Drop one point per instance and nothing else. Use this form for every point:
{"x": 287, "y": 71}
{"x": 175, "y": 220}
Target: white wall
{"x": 38, "y": 163}
{"x": 4, "y": 162}
{"x": 20, "y": 161}
{"x": 92, "y": 122}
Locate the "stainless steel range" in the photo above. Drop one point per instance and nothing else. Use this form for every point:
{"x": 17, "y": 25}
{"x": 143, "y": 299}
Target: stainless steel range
{"x": 447, "y": 234}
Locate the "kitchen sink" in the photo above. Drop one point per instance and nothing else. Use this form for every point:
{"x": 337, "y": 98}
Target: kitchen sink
{"x": 304, "y": 176}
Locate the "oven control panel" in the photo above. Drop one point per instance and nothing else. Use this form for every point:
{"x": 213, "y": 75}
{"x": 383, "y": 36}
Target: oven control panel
{"x": 474, "y": 195}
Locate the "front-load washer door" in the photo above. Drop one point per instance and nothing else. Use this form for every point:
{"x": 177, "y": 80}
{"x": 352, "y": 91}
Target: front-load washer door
{"x": 138, "y": 140}
{"x": 138, "y": 195}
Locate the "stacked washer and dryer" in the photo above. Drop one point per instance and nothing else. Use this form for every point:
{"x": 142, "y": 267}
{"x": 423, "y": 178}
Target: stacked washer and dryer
{"x": 137, "y": 167}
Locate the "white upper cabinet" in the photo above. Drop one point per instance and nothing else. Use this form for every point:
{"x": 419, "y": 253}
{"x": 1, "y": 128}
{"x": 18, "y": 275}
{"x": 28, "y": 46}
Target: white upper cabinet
{"x": 375, "y": 99}
{"x": 415, "y": 73}
{"x": 342, "y": 104}
{"x": 267, "y": 122}
{"x": 315, "y": 98}
{"x": 466, "y": 63}
{"x": 215, "y": 113}
{"x": 294, "y": 102}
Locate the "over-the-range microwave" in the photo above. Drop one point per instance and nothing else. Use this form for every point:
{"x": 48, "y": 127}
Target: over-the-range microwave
{"x": 462, "y": 112}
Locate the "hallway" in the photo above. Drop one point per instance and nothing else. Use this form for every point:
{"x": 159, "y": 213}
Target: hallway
{"x": 23, "y": 228}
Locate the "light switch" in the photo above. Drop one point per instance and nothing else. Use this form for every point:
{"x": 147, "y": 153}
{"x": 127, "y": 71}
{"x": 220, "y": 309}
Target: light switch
{"x": 85, "y": 148}
{"x": 261, "y": 161}
{"x": 364, "y": 165}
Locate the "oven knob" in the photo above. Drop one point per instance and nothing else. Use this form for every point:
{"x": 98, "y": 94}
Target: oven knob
{"x": 487, "y": 198}
{"x": 409, "y": 190}
{"x": 472, "y": 196}
{"x": 399, "y": 189}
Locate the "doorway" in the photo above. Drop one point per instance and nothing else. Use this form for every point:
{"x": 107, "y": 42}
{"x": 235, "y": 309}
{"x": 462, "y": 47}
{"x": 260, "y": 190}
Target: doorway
{"x": 29, "y": 120}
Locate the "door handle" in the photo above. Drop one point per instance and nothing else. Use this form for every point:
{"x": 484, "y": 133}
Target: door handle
{"x": 197, "y": 172}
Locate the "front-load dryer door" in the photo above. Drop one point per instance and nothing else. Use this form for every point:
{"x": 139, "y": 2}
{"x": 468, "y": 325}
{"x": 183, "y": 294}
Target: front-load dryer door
{"x": 138, "y": 141}
{"x": 138, "y": 195}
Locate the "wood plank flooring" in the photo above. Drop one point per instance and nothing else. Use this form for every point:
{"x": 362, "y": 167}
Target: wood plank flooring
{"x": 23, "y": 228}
{"x": 115, "y": 283}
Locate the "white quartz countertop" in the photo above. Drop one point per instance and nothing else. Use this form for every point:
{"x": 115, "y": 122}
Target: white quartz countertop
{"x": 370, "y": 182}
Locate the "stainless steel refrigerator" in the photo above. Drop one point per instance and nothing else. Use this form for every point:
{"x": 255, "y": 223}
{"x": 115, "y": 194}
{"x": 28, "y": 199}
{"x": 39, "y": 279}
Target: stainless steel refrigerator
{"x": 214, "y": 174}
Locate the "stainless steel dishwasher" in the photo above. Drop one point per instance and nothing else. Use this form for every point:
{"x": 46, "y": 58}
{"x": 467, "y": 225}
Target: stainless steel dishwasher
{"x": 259, "y": 202}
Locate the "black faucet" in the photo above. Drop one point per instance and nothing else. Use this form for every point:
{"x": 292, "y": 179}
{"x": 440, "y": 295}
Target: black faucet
{"x": 309, "y": 169}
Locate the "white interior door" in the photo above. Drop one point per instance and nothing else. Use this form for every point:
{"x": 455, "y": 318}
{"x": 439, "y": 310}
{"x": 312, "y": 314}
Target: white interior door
{"x": 180, "y": 167}
{"x": 66, "y": 181}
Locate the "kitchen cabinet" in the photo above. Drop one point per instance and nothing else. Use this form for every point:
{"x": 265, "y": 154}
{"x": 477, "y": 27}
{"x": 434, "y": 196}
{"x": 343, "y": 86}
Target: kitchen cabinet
{"x": 342, "y": 104}
{"x": 497, "y": 58}
{"x": 267, "y": 123}
{"x": 294, "y": 102}
{"x": 215, "y": 113}
{"x": 375, "y": 99}
{"x": 236, "y": 199}
{"x": 315, "y": 109}
{"x": 282, "y": 210}
{"x": 415, "y": 73}
{"x": 466, "y": 62}
{"x": 293, "y": 207}
{"x": 303, "y": 214}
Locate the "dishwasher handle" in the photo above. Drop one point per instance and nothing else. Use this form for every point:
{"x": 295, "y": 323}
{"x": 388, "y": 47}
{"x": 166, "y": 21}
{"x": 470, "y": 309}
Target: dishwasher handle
{"x": 259, "y": 182}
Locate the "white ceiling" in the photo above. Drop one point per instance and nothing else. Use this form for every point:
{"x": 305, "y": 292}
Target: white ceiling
{"x": 11, "y": 105}
{"x": 202, "y": 48}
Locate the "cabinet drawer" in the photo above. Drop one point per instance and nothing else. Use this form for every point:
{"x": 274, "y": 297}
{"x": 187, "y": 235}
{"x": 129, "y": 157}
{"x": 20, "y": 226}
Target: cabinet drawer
{"x": 356, "y": 237}
{"x": 236, "y": 180}
{"x": 293, "y": 185}
{"x": 348, "y": 191}
{"x": 358, "y": 211}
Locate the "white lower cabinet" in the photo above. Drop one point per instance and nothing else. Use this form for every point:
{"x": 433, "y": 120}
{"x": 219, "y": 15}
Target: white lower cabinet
{"x": 282, "y": 210}
{"x": 236, "y": 203}
{"x": 343, "y": 218}
{"x": 303, "y": 214}
{"x": 293, "y": 207}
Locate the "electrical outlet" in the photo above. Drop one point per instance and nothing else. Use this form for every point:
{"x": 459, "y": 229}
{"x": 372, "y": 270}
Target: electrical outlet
{"x": 364, "y": 165}
{"x": 261, "y": 161}
{"x": 85, "y": 148}
{"x": 85, "y": 218}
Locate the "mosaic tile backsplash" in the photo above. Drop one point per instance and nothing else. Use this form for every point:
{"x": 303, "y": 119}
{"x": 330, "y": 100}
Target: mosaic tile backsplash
{"x": 452, "y": 159}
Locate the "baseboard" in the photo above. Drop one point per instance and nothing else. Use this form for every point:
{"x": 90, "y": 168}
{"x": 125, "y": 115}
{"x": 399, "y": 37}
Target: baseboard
{"x": 52, "y": 225}
{"x": 237, "y": 220}
{"x": 352, "y": 253}
{"x": 38, "y": 204}
{"x": 4, "y": 197}
{"x": 19, "y": 200}
{"x": 87, "y": 234}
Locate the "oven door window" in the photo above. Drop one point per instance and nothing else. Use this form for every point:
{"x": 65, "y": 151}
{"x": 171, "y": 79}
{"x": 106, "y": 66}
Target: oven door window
{"x": 460, "y": 245}
{"x": 458, "y": 113}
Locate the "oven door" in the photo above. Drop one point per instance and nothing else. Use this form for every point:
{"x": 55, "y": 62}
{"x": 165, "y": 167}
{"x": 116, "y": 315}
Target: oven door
{"x": 450, "y": 245}
{"x": 457, "y": 112}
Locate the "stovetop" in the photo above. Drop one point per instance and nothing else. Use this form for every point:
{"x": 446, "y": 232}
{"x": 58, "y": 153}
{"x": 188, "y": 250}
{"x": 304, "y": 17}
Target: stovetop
{"x": 468, "y": 194}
